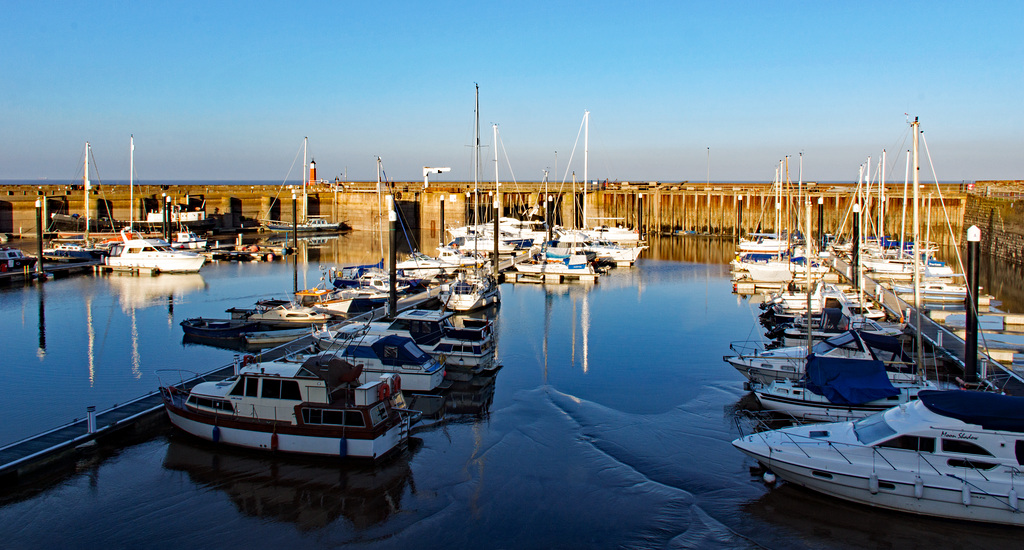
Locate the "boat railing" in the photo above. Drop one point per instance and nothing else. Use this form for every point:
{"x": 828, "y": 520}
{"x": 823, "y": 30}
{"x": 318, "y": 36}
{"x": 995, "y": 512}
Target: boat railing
{"x": 798, "y": 440}
{"x": 747, "y": 347}
{"x": 188, "y": 378}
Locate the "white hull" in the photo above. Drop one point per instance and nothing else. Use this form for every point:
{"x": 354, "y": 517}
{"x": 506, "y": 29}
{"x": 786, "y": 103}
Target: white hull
{"x": 160, "y": 262}
{"x": 835, "y": 460}
{"x": 290, "y": 443}
{"x": 469, "y": 302}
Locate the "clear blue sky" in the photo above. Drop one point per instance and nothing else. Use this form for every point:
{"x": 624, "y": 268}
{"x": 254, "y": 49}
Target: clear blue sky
{"x": 228, "y": 90}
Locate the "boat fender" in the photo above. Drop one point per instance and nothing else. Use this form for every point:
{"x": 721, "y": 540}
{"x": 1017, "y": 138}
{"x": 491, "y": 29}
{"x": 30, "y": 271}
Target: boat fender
{"x": 342, "y": 447}
{"x": 918, "y": 487}
{"x": 873, "y": 483}
{"x": 1012, "y": 499}
{"x": 768, "y": 477}
{"x": 398, "y": 383}
{"x": 273, "y": 441}
{"x": 965, "y": 494}
{"x": 215, "y": 436}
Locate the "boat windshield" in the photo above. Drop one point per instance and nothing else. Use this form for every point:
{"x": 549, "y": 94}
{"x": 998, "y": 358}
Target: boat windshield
{"x": 845, "y": 340}
{"x": 872, "y": 428}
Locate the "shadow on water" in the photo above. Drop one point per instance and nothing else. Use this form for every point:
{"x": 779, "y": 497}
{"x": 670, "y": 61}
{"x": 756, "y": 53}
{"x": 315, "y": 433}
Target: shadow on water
{"x": 308, "y": 492}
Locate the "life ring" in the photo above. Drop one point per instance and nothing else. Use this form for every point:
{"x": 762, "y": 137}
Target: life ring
{"x": 382, "y": 392}
{"x": 249, "y": 360}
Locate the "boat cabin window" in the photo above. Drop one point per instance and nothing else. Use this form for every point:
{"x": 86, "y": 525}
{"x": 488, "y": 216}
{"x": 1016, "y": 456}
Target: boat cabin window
{"x": 399, "y": 324}
{"x": 910, "y": 443}
{"x": 211, "y": 404}
{"x": 963, "y": 447}
{"x": 846, "y": 341}
{"x": 252, "y": 386}
{"x": 239, "y": 388}
{"x": 872, "y": 428}
{"x": 281, "y": 389}
{"x": 378, "y": 414}
{"x": 333, "y": 417}
{"x": 973, "y": 464}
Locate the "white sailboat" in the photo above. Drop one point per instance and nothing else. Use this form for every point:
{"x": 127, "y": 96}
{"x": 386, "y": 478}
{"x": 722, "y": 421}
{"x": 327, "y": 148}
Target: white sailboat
{"x": 136, "y": 252}
{"x": 473, "y": 290}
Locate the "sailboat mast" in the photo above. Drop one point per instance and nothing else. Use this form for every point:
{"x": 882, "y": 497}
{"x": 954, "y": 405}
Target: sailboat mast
{"x": 86, "y": 186}
{"x": 881, "y": 197}
{"x": 903, "y": 215}
{"x": 497, "y": 200}
{"x": 305, "y": 178}
{"x": 917, "y": 253}
{"x": 476, "y": 167}
{"x": 131, "y": 183}
{"x": 586, "y": 163}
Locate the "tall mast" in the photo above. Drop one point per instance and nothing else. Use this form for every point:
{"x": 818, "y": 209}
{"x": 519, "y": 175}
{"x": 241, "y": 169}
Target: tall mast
{"x": 131, "y": 183}
{"x": 87, "y": 186}
{"x": 586, "y": 162}
{"x": 305, "y": 177}
{"x": 497, "y": 201}
{"x": 476, "y": 157}
{"x": 881, "y": 198}
{"x": 917, "y": 253}
{"x": 476, "y": 166}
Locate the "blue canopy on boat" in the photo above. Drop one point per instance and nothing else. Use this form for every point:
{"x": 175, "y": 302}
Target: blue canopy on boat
{"x": 883, "y": 342}
{"x": 991, "y": 411}
{"x": 848, "y": 381}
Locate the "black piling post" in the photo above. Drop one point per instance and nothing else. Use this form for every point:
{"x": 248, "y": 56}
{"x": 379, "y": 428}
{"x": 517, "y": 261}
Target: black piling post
{"x": 971, "y": 337}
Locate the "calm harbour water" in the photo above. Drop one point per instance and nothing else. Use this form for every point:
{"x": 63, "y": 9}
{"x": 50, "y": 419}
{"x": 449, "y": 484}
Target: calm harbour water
{"x": 609, "y": 426}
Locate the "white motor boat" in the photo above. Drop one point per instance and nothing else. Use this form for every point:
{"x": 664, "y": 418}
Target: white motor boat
{"x": 188, "y": 240}
{"x": 575, "y": 264}
{"x": 421, "y": 266}
{"x": 782, "y": 270}
{"x": 317, "y": 407}
{"x": 770, "y": 243}
{"x": 281, "y": 314}
{"x": 134, "y": 252}
{"x": 618, "y": 235}
{"x": 462, "y": 258}
{"x": 342, "y": 302}
{"x": 795, "y": 399}
{"x": 470, "y": 292}
{"x": 933, "y": 291}
{"x": 950, "y": 454}
{"x": 470, "y": 345}
{"x": 612, "y": 252}
{"x": 378, "y": 355}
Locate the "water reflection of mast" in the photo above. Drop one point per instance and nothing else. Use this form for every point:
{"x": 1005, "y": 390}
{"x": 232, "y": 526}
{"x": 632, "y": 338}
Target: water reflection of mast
{"x": 136, "y": 358}
{"x": 547, "y": 329}
{"x": 41, "y": 352}
{"x": 91, "y": 337}
{"x": 585, "y": 322}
